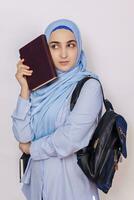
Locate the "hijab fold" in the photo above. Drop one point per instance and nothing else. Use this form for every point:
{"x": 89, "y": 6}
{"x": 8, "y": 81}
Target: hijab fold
{"x": 47, "y": 101}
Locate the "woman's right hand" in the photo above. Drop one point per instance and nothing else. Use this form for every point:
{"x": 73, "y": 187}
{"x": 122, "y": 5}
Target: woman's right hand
{"x": 22, "y": 72}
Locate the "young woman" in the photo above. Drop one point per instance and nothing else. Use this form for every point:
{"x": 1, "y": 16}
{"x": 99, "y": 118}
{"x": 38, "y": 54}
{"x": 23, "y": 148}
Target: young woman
{"x": 44, "y": 126}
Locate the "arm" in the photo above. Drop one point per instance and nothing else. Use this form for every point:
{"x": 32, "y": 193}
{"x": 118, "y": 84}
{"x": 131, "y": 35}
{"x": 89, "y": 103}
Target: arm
{"x": 21, "y": 121}
{"x": 21, "y": 116}
{"x": 78, "y": 128}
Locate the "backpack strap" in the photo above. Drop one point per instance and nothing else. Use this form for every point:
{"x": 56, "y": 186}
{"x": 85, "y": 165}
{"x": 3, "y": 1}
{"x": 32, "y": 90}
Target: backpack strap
{"x": 78, "y": 88}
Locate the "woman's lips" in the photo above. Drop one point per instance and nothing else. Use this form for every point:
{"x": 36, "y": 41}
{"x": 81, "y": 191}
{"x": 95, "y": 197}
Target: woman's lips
{"x": 64, "y": 62}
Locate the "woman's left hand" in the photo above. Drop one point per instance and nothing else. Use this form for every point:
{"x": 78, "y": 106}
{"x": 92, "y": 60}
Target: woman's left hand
{"x": 25, "y": 147}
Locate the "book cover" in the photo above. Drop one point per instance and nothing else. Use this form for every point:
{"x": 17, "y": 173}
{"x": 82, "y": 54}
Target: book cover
{"x": 38, "y": 57}
{"x": 23, "y": 161}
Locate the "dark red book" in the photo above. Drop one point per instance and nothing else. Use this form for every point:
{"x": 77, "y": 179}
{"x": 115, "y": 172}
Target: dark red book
{"x": 37, "y": 56}
{"x": 23, "y": 161}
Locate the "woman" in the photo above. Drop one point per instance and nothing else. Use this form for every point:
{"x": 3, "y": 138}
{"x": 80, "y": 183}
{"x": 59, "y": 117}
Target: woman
{"x": 45, "y": 127}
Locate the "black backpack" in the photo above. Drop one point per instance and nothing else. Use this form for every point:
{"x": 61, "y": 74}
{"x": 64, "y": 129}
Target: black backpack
{"x": 99, "y": 159}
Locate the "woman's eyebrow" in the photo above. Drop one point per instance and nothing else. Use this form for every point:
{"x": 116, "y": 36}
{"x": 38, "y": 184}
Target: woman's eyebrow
{"x": 57, "y": 42}
{"x": 71, "y": 41}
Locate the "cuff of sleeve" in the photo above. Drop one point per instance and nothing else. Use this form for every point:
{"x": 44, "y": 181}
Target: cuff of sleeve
{"x": 42, "y": 149}
{"x": 22, "y": 108}
{"x": 34, "y": 150}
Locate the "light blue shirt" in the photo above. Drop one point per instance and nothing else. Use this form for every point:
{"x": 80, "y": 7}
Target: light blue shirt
{"x": 52, "y": 172}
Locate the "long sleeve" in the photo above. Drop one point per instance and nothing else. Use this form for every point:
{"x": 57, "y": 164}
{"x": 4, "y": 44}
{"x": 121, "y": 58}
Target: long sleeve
{"x": 78, "y": 128}
{"x": 21, "y": 121}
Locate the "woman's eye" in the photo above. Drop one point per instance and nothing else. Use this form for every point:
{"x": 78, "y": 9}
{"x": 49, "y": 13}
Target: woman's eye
{"x": 71, "y": 45}
{"x": 54, "y": 46}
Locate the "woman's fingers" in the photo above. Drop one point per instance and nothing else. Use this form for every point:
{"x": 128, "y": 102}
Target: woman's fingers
{"x": 20, "y": 62}
{"x": 27, "y": 73}
{"x": 23, "y": 72}
{"x": 23, "y": 69}
{"x": 21, "y": 65}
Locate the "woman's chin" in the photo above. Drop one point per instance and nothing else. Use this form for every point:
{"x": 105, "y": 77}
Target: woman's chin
{"x": 64, "y": 68}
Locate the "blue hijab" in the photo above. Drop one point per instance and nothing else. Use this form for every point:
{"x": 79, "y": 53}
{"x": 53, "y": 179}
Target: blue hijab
{"x": 47, "y": 101}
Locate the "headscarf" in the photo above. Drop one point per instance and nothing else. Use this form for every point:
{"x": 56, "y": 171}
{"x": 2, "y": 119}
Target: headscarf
{"x": 47, "y": 101}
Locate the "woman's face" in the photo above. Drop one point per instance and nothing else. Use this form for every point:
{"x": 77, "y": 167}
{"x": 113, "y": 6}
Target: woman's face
{"x": 63, "y": 48}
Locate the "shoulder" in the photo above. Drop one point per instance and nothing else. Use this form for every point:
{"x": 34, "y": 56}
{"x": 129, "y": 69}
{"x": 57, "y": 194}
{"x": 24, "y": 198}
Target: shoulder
{"x": 90, "y": 92}
{"x": 91, "y": 85}
{"x": 90, "y": 97}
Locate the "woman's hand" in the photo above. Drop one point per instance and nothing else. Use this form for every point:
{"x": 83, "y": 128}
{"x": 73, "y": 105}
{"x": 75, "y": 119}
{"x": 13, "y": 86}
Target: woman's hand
{"x": 25, "y": 147}
{"x": 22, "y": 72}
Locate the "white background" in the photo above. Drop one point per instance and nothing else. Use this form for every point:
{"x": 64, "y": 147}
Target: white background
{"x": 107, "y": 31}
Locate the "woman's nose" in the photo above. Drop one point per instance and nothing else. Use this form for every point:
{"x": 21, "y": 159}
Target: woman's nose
{"x": 63, "y": 53}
